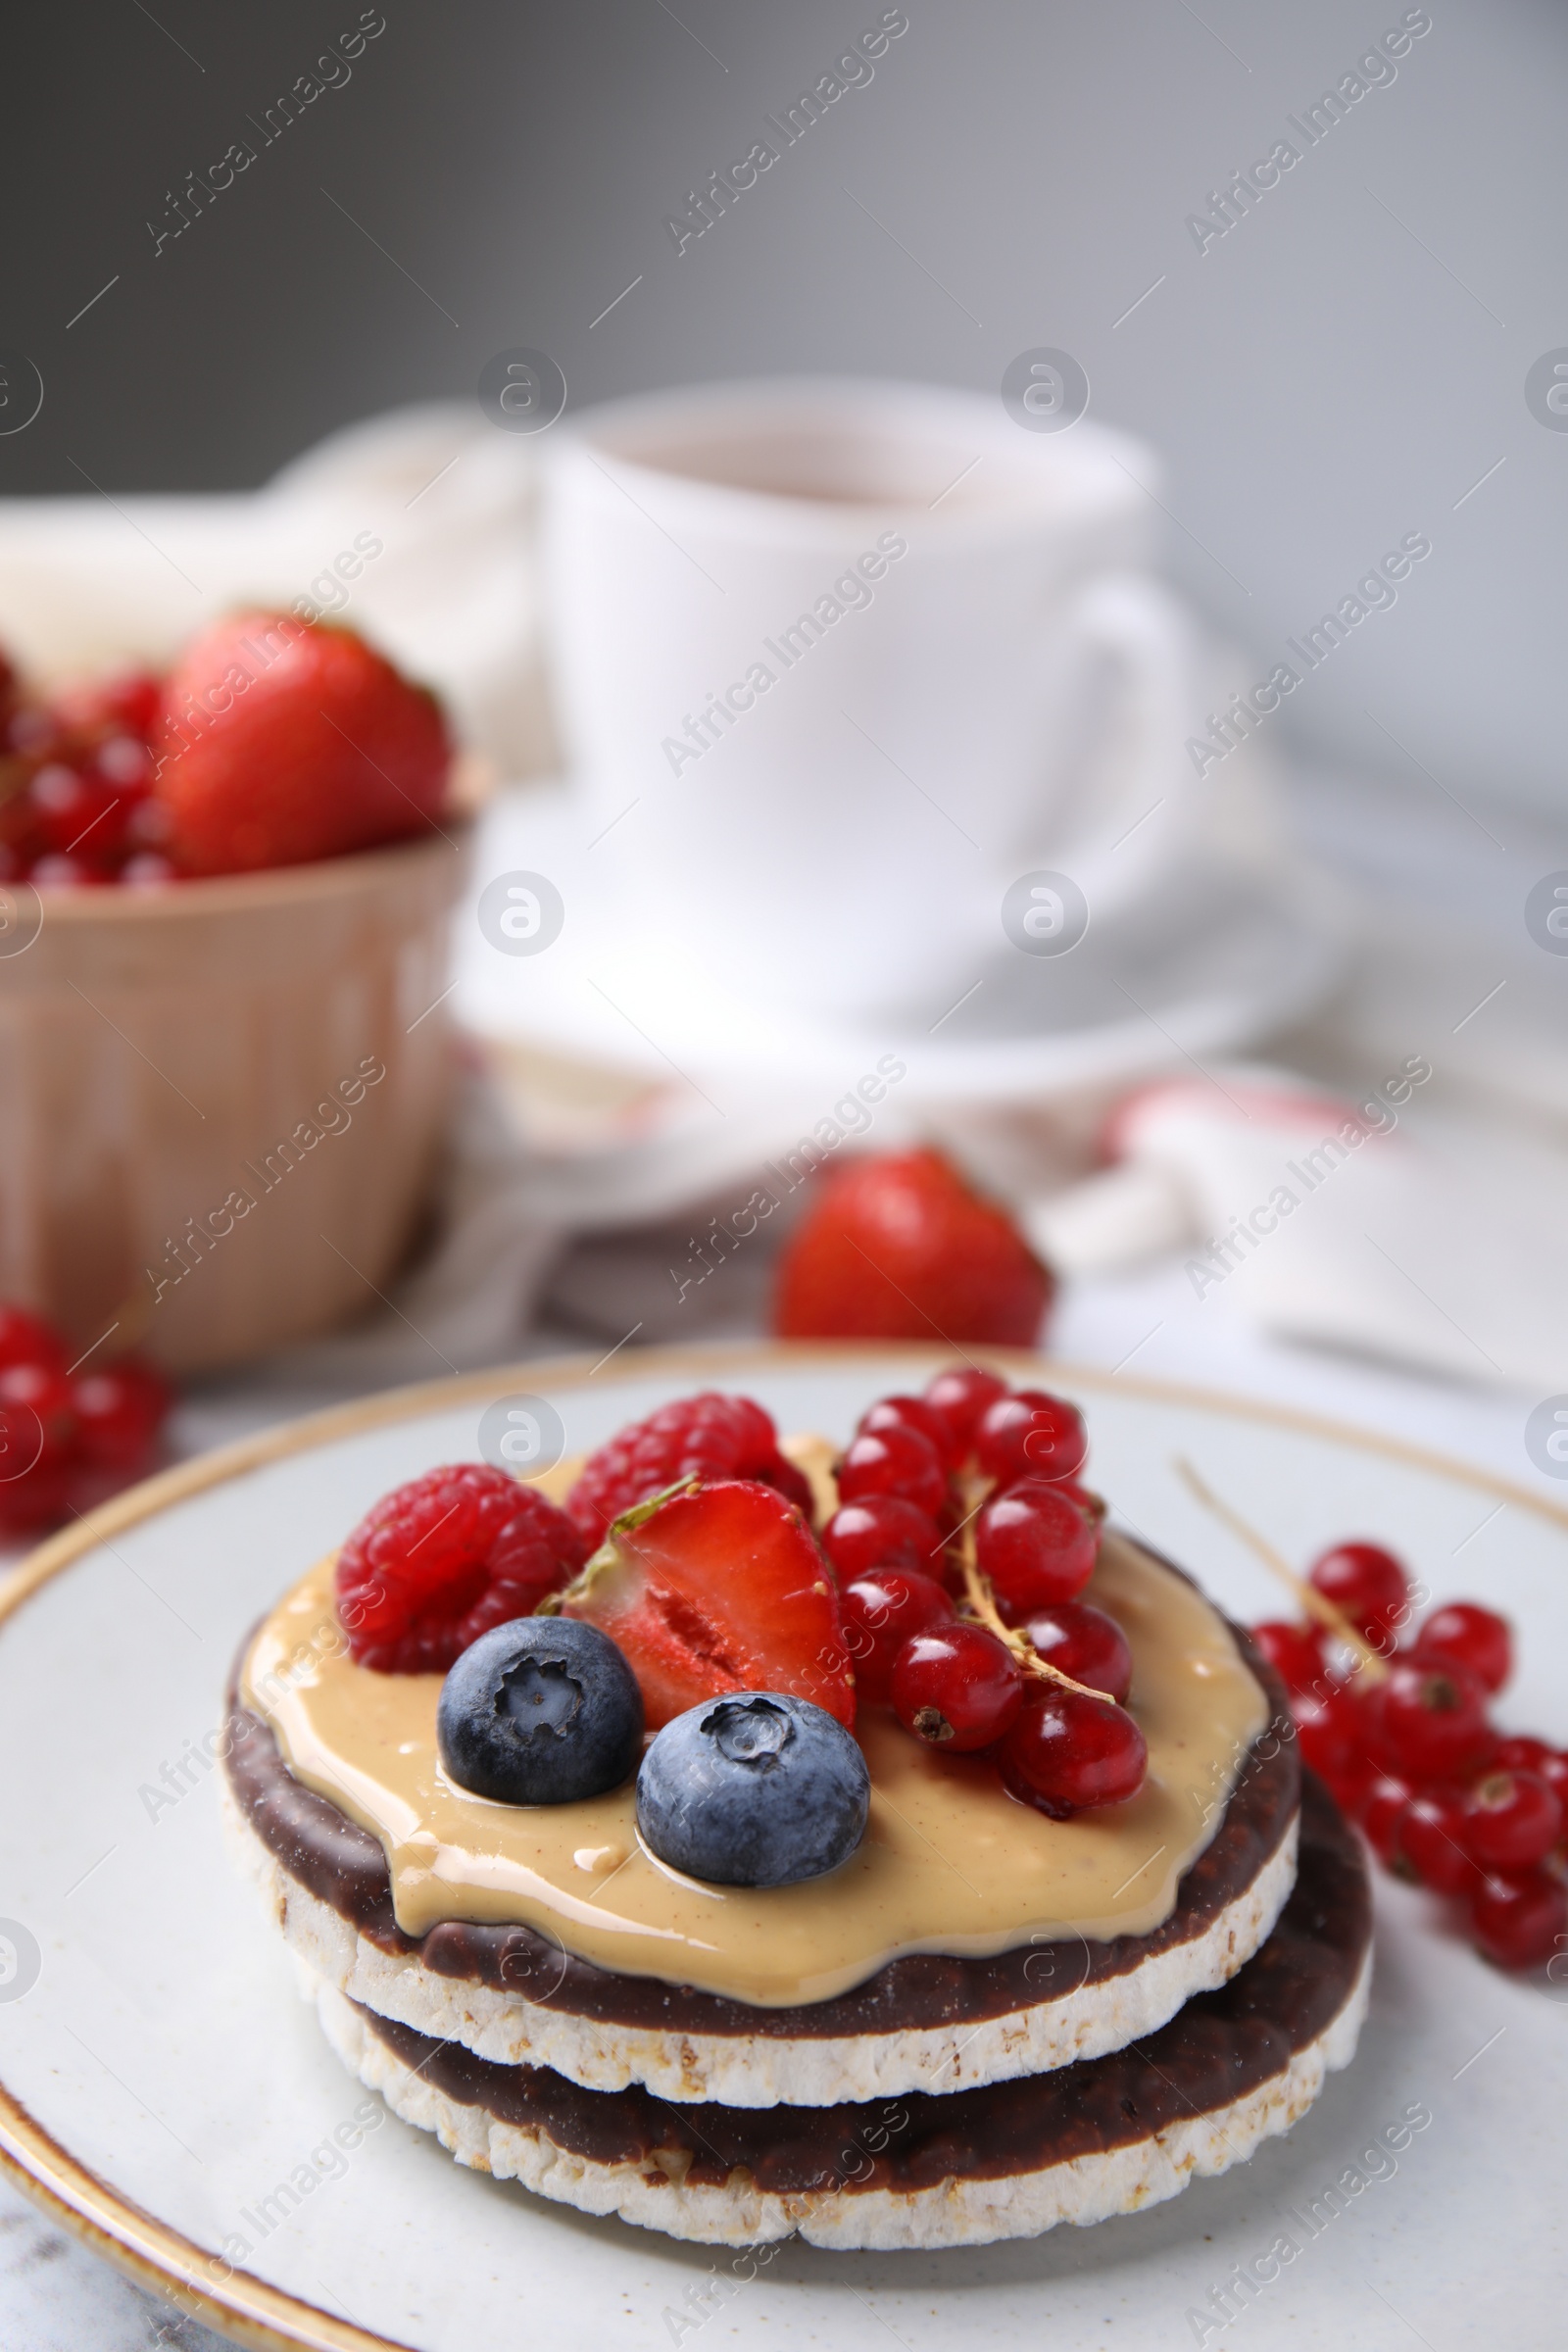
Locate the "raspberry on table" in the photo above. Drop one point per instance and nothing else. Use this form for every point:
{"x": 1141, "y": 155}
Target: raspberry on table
{"x": 439, "y": 1561}
{"x": 708, "y": 1436}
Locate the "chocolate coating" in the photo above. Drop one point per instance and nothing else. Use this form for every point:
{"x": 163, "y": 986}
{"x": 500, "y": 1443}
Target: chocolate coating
{"x": 1216, "y": 2049}
{"x": 346, "y": 1868}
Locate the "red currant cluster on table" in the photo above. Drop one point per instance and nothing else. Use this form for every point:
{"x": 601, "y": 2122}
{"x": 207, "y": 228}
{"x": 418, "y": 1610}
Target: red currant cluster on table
{"x": 966, "y": 1498}
{"x": 1402, "y": 1735}
{"x": 68, "y": 1440}
{"x": 76, "y": 803}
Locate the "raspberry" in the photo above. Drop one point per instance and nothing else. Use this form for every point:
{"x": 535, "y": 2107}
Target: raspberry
{"x": 439, "y": 1562}
{"x": 701, "y": 1436}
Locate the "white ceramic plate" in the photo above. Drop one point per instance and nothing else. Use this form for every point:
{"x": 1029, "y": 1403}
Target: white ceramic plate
{"x": 158, "y": 2078}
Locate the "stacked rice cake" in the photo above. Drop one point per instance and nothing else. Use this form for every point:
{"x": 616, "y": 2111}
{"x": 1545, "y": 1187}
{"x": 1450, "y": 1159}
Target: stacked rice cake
{"x": 967, "y": 2032}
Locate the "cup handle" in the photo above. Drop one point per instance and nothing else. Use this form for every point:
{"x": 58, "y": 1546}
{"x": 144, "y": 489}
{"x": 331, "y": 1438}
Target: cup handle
{"x": 1139, "y": 815}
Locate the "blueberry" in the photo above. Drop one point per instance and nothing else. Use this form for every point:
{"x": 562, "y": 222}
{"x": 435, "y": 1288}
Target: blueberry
{"x": 540, "y": 1711}
{"x": 754, "y": 1791}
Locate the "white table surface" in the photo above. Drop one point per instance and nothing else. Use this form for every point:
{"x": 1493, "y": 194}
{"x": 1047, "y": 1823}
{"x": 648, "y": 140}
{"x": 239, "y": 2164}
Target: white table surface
{"x": 56, "y": 2297}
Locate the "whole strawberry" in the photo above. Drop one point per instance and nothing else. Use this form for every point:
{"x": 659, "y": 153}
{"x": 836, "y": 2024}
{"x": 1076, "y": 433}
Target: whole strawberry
{"x": 283, "y": 742}
{"x": 900, "y": 1247}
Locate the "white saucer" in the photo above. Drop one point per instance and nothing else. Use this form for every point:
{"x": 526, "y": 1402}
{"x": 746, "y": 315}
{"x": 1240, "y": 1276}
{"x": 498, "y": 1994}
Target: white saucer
{"x": 1205, "y": 975}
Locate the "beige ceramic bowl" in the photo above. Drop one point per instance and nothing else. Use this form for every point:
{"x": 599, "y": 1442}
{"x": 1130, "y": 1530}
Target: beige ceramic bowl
{"x": 222, "y": 1102}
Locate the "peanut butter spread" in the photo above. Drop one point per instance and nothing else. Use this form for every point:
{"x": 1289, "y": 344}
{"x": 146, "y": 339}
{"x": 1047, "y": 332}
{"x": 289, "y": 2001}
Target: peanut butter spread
{"x": 950, "y": 1863}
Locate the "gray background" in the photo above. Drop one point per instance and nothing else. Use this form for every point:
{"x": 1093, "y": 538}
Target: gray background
{"x": 1336, "y": 372}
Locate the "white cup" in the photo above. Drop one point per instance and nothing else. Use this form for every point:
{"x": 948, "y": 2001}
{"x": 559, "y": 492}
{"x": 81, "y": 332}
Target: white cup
{"x": 838, "y": 661}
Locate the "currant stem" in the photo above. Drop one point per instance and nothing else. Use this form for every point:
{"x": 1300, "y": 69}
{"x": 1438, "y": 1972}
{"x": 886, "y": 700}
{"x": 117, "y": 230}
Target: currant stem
{"x": 1314, "y": 1604}
{"x": 982, "y": 1602}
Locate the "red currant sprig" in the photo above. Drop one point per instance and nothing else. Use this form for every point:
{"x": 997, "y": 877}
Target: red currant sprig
{"x": 998, "y": 1468}
{"x": 1405, "y": 1745}
{"x": 1067, "y": 1747}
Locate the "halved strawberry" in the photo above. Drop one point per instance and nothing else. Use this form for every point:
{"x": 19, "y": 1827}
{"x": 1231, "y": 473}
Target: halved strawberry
{"x": 717, "y": 1587}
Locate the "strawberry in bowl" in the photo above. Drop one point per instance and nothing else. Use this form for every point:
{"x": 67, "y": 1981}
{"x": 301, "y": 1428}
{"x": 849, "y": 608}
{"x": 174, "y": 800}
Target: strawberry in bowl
{"x": 283, "y": 741}
{"x": 224, "y": 904}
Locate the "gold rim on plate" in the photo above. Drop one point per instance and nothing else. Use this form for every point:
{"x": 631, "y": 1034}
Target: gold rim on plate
{"x": 163, "y": 2260}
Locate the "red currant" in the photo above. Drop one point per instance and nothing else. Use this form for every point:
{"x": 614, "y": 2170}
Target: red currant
{"x": 961, "y": 1395}
{"x": 1031, "y": 1434}
{"x": 894, "y": 1461}
{"x": 149, "y": 825}
{"x": 30, "y": 731}
{"x": 1430, "y": 1844}
{"x": 1086, "y": 1643}
{"x": 131, "y": 700}
{"x": 881, "y": 1611}
{"x": 1464, "y": 1633}
{"x": 911, "y": 1412}
{"x": 122, "y": 763}
{"x": 1094, "y": 1506}
{"x": 27, "y": 1340}
{"x": 1520, "y": 1922}
{"x": 1512, "y": 1820}
{"x": 882, "y": 1531}
{"x": 1383, "y": 1810}
{"x": 36, "y": 1405}
{"x": 1036, "y": 1548}
{"x": 1294, "y": 1651}
{"x": 1521, "y": 1751}
{"x": 1368, "y": 1584}
{"x": 1525, "y": 1755}
{"x": 1066, "y": 1752}
{"x": 1328, "y": 1729}
{"x": 64, "y": 802}
{"x": 146, "y": 870}
{"x": 119, "y": 1413}
{"x": 1433, "y": 1720}
{"x": 57, "y": 871}
{"x": 956, "y": 1687}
